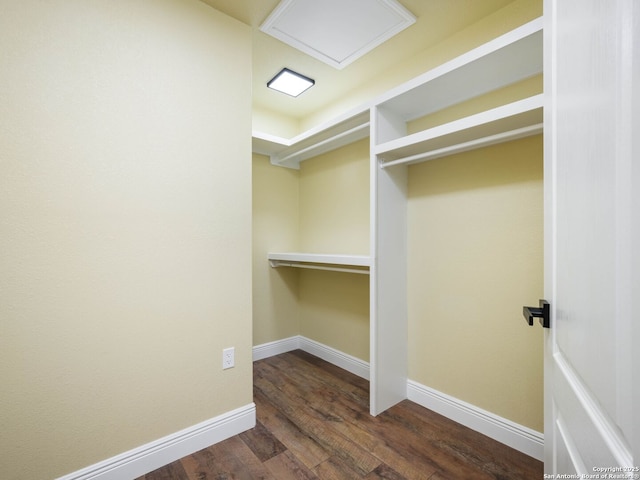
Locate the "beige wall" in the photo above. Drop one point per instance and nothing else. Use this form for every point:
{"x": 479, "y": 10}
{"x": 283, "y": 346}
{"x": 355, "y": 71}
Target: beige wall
{"x": 125, "y": 203}
{"x": 275, "y": 229}
{"x": 334, "y": 201}
{"x": 322, "y": 208}
{"x": 334, "y": 310}
{"x": 274, "y": 123}
{"x": 475, "y": 258}
{"x": 334, "y": 218}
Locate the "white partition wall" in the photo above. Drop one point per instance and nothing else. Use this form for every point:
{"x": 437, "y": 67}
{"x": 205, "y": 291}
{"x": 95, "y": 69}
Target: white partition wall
{"x": 388, "y": 277}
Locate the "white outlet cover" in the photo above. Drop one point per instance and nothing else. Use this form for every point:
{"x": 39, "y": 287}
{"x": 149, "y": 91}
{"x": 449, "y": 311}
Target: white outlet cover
{"x": 228, "y": 358}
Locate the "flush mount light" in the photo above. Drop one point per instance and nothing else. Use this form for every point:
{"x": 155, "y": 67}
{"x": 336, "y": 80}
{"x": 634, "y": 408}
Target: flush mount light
{"x": 289, "y": 82}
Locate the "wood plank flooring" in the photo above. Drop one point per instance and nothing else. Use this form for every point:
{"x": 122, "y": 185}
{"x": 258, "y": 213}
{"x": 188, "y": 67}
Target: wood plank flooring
{"x": 313, "y": 422}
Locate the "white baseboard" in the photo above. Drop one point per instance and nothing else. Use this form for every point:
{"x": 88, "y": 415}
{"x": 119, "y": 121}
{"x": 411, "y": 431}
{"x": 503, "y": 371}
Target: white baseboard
{"x": 516, "y": 436}
{"x": 331, "y": 355}
{"x": 151, "y": 456}
{"x": 349, "y": 363}
{"x": 271, "y": 349}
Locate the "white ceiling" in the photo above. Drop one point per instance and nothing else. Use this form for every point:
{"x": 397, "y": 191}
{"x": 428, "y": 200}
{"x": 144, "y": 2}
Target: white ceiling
{"x": 436, "y": 20}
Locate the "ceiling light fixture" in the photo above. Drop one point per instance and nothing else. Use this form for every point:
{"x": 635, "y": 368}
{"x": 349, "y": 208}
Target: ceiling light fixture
{"x": 290, "y": 82}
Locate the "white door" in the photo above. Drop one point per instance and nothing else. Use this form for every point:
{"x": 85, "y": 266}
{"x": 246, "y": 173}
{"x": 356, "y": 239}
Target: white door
{"x": 591, "y": 238}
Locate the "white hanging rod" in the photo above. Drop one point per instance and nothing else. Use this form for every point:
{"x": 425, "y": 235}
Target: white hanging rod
{"x": 276, "y": 263}
{"x": 470, "y": 145}
{"x": 324, "y": 142}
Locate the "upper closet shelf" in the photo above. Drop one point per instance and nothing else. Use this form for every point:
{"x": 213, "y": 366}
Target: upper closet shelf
{"x": 267, "y": 144}
{"x": 342, "y": 131}
{"x": 508, "y": 122}
{"x": 510, "y": 58}
{"x": 317, "y": 261}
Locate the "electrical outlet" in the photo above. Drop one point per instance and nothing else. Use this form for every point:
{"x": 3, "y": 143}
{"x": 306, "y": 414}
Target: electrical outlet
{"x": 228, "y": 358}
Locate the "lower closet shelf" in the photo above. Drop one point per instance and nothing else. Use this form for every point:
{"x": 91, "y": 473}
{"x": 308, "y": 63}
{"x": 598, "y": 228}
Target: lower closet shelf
{"x": 318, "y": 261}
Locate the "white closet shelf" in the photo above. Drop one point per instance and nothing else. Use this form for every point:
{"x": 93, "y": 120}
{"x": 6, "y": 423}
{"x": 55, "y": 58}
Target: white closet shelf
{"x": 346, "y": 129}
{"x": 507, "y": 122}
{"x": 510, "y": 58}
{"x": 319, "y": 261}
{"x": 267, "y": 144}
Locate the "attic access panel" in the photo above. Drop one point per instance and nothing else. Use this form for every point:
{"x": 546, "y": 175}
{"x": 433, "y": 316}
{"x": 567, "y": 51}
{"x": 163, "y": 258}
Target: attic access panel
{"x": 337, "y": 32}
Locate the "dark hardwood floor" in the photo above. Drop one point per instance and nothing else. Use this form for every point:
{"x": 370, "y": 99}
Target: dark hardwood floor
{"x": 313, "y": 422}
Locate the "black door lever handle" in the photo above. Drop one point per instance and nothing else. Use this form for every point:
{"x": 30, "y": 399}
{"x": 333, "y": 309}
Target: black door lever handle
{"x": 541, "y": 312}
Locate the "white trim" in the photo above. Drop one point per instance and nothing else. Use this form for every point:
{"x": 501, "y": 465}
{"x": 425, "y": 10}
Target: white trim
{"x": 336, "y": 357}
{"x": 505, "y": 431}
{"x": 156, "y": 454}
{"x": 271, "y": 349}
